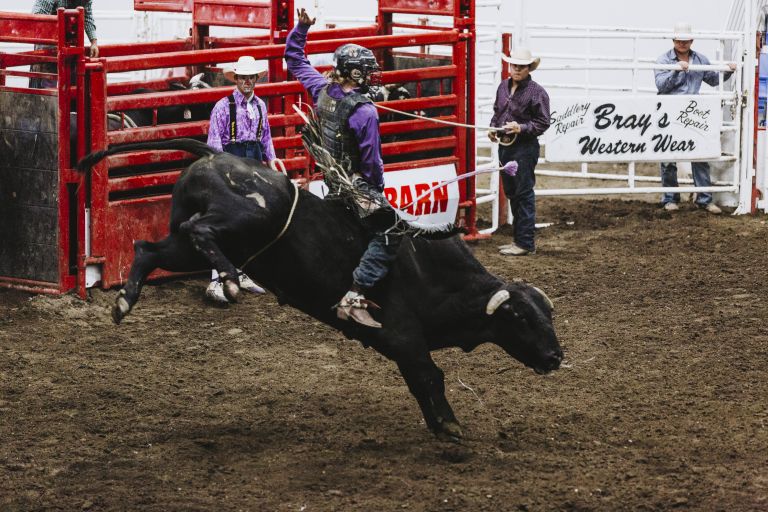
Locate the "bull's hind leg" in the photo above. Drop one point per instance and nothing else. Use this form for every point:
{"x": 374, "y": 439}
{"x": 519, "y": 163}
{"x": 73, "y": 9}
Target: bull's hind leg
{"x": 174, "y": 253}
{"x": 426, "y": 382}
{"x": 202, "y": 231}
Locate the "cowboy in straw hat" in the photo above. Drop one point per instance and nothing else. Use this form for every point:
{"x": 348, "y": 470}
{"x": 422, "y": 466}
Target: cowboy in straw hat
{"x": 521, "y": 111}
{"x": 245, "y": 65}
{"x": 239, "y": 126}
{"x": 684, "y": 81}
{"x": 522, "y": 57}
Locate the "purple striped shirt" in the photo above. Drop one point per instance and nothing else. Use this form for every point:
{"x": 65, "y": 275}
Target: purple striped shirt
{"x": 247, "y": 127}
{"x": 529, "y": 106}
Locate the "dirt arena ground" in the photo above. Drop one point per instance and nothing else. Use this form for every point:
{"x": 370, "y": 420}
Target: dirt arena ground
{"x": 662, "y": 403}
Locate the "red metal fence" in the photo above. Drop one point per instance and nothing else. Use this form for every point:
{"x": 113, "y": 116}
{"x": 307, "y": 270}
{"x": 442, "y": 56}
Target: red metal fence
{"x": 128, "y": 195}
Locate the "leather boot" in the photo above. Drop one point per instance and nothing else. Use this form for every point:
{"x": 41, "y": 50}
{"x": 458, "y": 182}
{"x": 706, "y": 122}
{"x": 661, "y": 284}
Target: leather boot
{"x": 354, "y": 306}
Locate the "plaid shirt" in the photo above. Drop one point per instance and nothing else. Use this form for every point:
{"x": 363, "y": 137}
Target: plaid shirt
{"x": 529, "y": 106}
{"x": 50, "y": 6}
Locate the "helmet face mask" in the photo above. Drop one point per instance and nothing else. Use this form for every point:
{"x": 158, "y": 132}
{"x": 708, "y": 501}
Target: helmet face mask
{"x": 358, "y": 64}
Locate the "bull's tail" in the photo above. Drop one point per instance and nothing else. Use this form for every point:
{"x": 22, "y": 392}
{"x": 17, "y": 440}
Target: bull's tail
{"x": 193, "y": 146}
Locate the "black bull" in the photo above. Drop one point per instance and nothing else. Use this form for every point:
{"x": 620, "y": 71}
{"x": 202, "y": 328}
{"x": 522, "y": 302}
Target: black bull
{"x": 226, "y": 209}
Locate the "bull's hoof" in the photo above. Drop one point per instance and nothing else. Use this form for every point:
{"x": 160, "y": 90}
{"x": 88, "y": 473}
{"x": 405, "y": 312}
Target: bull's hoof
{"x": 449, "y": 431}
{"x": 231, "y": 290}
{"x": 121, "y": 308}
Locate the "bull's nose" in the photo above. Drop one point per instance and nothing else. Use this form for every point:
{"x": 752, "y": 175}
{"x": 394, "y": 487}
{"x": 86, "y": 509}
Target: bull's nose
{"x": 554, "y": 359}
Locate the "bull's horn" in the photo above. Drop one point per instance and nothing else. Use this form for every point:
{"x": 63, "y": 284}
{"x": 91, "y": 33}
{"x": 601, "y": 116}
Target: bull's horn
{"x": 549, "y": 301}
{"x": 497, "y": 300}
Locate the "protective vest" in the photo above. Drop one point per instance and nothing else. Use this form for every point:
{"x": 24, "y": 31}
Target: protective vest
{"x": 338, "y": 139}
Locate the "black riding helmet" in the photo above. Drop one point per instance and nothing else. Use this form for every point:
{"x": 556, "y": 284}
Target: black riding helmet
{"x": 358, "y": 64}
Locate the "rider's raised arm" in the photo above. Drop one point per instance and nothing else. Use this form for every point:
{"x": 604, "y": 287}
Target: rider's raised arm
{"x": 299, "y": 65}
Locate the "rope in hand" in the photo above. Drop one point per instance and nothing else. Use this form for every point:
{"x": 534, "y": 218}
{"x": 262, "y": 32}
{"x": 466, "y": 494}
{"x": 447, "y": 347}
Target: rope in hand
{"x": 506, "y": 139}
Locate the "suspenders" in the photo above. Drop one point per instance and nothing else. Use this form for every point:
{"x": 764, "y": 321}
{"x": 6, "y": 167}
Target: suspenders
{"x": 233, "y": 121}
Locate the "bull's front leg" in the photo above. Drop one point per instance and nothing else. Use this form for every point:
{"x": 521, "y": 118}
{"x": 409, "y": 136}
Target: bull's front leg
{"x": 427, "y": 384}
{"x": 174, "y": 253}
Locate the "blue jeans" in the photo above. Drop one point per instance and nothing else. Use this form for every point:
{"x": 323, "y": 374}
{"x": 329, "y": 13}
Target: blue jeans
{"x": 519, "y": 190}
{"x": 249, "y": 149}
{"x": 376, "y": 260}
{"x": 381, "y": 251}
{"x": 700, "y": 179}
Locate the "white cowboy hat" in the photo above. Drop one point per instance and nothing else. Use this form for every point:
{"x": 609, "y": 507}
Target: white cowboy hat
{"x": 682, "y": 32}
{"x": 245, "y": 65}
{"x": 522, "y": 56}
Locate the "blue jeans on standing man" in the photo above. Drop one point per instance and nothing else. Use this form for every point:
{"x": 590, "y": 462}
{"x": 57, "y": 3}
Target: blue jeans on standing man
{"x": 247, "y": 149}
{"x": 700, "y": 179}
{"x": 519, "y": 189}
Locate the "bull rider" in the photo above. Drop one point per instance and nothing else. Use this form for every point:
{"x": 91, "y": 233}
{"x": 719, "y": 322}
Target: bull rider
{"x": 350, "y": 131}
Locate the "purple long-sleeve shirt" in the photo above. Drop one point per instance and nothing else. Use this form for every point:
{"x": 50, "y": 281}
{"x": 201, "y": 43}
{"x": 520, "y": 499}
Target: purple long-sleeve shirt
{"x": 247, "y": 123}
{"x": 364, "y": 121}
{"x": 529, "y": 106}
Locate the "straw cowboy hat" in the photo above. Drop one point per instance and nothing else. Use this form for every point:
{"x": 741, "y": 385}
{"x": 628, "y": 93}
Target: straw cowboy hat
{"x": 522, "y": 56}
{"x": 682, "y": 32}
{"x": 245, "y": 65}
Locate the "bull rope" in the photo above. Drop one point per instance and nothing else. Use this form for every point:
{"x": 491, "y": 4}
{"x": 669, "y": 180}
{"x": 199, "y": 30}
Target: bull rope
{"x": 451, "y": 123}
{"x": 285, "y": 227}
{"x": 438, "y": 121}
{"x": 325, "y": 161}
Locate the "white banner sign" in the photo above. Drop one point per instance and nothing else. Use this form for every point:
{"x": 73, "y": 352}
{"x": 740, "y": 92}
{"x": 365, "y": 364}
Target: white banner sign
{"x": 638, "y": 128}
{"x": 401, "y": 189}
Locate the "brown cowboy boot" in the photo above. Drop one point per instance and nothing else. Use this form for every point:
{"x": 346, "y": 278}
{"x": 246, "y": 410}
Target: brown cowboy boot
{"x": 355, "y": 306}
